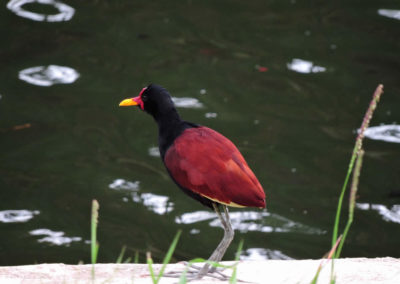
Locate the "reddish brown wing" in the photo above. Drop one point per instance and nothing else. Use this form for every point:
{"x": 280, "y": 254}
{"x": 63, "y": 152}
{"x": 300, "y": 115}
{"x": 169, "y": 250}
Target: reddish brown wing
{"x": 209, "y": 164}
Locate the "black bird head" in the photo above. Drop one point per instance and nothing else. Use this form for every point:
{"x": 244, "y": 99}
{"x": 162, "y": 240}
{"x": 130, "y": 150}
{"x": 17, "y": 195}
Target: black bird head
{"x": 154, "y": 100}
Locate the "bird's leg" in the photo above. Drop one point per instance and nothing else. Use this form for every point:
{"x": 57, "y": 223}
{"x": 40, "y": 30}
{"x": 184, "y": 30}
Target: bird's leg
{"x": 219, "y": 252}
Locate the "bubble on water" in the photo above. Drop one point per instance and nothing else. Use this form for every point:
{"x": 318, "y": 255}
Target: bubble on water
{"x": 46, "y": 76}
{"x": 304, "y": 66}
{"x": 65, "y": 12}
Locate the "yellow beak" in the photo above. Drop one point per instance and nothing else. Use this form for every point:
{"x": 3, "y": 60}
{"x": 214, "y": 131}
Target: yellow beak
{"x": 128, "y": 102}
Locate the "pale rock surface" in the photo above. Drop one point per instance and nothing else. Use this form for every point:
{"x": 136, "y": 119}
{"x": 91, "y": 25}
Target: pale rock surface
{"x": 348, "y": 270}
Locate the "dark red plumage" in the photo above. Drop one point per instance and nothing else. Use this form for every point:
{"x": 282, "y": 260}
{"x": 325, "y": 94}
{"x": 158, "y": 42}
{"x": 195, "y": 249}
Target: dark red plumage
{"x": 207, "y": 163}
{"x": 202, "y": 162}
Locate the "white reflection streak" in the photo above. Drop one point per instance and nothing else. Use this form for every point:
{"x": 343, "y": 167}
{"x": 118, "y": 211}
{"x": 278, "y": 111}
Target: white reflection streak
{"x": 17, "y": 216}
{"x": 245, "y": 221}
{"x": 389, "y": 215}
{"x": 154, "y": 152}
{"x": 304, "y": 66}
{"x": 65, "y": 12}
{"x": 388, "y": 133}
{"x": 194, "y": 217}
{"x": 187, "y": 102}
{"x": 263, "y": 254}
{"x": 56, "y": 238}
{"x": 46, "y": 76}
{"x": 157, "y": 203}
{"x": 123, "y": 184}
{"x": 394, "y": 14}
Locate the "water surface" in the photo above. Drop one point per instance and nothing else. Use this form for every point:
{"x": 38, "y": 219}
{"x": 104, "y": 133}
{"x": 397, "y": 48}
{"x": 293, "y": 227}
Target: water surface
{"x": 287, "y": 81}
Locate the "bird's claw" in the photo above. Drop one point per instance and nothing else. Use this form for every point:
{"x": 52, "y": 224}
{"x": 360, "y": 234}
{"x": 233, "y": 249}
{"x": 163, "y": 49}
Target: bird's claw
{"x": 192, "y": 273}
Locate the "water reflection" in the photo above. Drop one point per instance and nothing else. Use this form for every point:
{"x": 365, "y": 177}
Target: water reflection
{"x": 304, "y": 66}
{"x": 159, "y": 204}
{"x": 394, "y": 14}
{"x": 263, "y": 254}
{"x": 17, "y": 216}
{"x": 48, "y": 75}
{"x": 187, "y": 102}
{"x": 123, "y": 184}
{"x": 211, "y": 115}
{"x": 388, "y": 133}
{"x": 154, "y": 152}
{"x": 389, "y": 215}
{"x": 245, "y": 221}
{"x": 65, "y": 12}
{"x": 55, "y": 238}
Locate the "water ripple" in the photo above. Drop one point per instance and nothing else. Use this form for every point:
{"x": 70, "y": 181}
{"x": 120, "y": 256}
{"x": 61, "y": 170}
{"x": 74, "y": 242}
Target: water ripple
{"x": 159, "y": 204}
{"x": 65, "y": 12}
{"x": 388, "y": 133}
{"x": 263, "y": 254}
{"x": 389, "y": 215}
{"x": 154, "y": 152}
{"x": 187, "y": 102}
{"x": 245, "y": 221}
{"x": 17, "y": 216}
{"x": 123, "y": 184}
{"x": 48, "y": 75}
{"x": 394, "y": 14}
{"x": 55, "y": 238}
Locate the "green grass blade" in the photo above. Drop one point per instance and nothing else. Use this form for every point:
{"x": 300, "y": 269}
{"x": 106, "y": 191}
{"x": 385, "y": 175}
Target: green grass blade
{"x": 183, "y": 278}
{"x": 356, "y": 151}
{"x": 128, "y": 260}
{"x": 121, "y": 255}
{"x": 150, "y": 264}
{"x": 353, "y": 192}
{"x": 94, "y": 245}
{"x": 136, "y": 259}
{"x": 233, "y": 279}
{"x": 168, "y": 256}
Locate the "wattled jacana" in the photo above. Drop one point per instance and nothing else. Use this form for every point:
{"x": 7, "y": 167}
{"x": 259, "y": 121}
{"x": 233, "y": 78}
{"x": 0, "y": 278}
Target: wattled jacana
{"x": 203, "y": 163}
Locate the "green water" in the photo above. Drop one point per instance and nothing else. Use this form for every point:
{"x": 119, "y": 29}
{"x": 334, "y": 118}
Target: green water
{"x": 295, "y": 124}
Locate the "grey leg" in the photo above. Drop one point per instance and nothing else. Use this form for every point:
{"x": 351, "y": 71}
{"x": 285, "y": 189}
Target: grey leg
{"x": 219, "y": 252}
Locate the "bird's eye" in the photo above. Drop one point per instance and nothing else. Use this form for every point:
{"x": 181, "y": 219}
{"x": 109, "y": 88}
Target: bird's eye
{"x": 144, "y": 98}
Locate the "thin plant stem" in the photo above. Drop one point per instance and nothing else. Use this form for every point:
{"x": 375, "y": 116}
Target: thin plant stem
{"x": 150, "y": 264}
{"x": 356, "y": 151}
{"x": 167, "y": 258}
{"x": 367, "y": 117}
{"x": 233, "y": 279}
{"x": 121, "y": 255}
{"x": 93, "y": 243}
{"x": 352, "y": 201}
{"x": 322, "y": 264}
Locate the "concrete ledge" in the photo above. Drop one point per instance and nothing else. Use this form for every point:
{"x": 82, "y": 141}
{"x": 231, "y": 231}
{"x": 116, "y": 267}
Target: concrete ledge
{"x": 348, "y": 270}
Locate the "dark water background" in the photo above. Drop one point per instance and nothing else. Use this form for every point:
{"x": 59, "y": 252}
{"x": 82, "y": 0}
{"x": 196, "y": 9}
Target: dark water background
{"x": 66, "y": 143}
